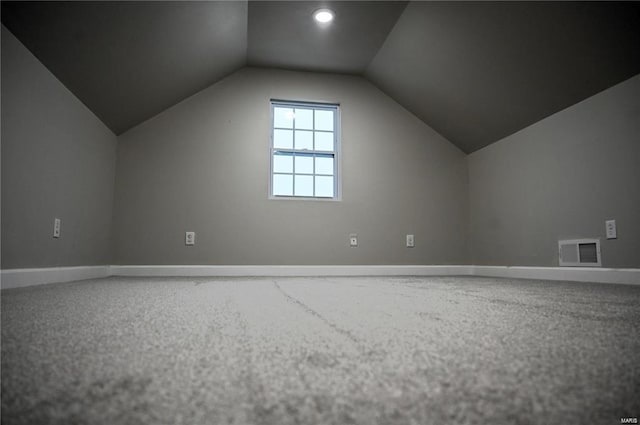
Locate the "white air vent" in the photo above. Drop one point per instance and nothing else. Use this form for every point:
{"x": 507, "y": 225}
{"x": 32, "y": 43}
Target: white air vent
{"x": 579, "y": 252}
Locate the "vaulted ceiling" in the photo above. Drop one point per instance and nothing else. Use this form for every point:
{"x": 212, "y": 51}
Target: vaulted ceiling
{"x": 474, "y": 71}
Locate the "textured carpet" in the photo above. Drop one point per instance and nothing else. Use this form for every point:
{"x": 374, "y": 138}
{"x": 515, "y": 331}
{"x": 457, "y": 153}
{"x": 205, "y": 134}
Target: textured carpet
{"x": 441, "y": 350}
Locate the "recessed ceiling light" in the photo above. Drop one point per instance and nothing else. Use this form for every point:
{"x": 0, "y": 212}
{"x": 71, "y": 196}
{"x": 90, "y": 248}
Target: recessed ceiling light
{"x": 323, "y": 16}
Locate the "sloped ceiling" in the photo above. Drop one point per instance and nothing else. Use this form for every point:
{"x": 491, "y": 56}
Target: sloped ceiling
{"x": 477, "y": 72}
{"x": 128, "y": 61}
{"x": 474, "y": 71}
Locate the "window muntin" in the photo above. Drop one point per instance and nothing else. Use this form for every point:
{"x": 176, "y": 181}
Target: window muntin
{"x": 304, "y": 150}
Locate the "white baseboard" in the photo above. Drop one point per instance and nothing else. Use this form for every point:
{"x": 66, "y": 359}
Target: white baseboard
{"x": 17, "y": 278}
{"x": 579, "y": 274}
{"x": 398, "y": 270}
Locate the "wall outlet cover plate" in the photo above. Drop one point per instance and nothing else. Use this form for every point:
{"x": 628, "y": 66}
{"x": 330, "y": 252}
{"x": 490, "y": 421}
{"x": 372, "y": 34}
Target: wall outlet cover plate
{"x": 410, "y": 241}
{"x": 56, "y": 227}
{"x": 612, "y": 232}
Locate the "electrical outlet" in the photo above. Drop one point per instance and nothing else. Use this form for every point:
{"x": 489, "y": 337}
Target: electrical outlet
{"x": 56, "y": 227}
{"x": 612, "y": 232}
{"x": 353, "y": 239}
{"x": 190, "y": 238}
{"x": 410, "y": 241}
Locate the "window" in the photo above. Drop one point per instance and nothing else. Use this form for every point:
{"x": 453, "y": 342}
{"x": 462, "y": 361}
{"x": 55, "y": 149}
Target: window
{"x": 304, "y": 150}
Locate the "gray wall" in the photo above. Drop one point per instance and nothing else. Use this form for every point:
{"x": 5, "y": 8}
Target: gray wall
{"x": 203, "y": 166}
{"x": 561, "y": 178}
{"x": 58, "y": 160}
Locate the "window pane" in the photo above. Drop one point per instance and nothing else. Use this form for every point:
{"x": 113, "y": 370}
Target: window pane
{"x": 324, "y": 164}
{"x": 282, "y": 162}
{"x": 304, "y": 150}
{"x": 324, "y": 120}
{"x": 283, "y": 139}
{"x": 282, "y": 185}
{"x": 324, "y": 141}
{"x": 304, "y": 186}
{"x": 304, "y": 140}
{"x": 324, "y": 186}
{"x": 304, "y": 119}
{"x": 283, "y": 117}
{"x": 304, "y": 164}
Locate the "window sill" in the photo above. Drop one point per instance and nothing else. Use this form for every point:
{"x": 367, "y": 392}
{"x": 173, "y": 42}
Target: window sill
{"x": 303, "y": 198}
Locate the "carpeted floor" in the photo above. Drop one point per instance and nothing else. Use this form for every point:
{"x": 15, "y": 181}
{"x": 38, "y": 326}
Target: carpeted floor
{"x": 443, "y": 350}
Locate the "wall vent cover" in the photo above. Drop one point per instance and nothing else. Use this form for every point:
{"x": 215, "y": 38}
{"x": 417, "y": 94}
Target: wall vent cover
{"x": 579, "y": 252}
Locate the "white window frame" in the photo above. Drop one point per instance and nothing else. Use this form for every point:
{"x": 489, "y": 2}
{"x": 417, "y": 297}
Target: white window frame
{"x": 335, "y": 152}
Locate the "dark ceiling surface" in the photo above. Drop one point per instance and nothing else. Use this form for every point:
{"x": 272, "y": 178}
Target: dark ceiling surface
{"x": 282, "y": 35}
{"x": 474, "y": 71}
{"x": 128, "y": 61}
{"x": 478, "y": 72}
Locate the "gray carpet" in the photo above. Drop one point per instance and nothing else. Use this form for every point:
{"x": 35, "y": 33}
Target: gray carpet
{"x": 441, "y": 350}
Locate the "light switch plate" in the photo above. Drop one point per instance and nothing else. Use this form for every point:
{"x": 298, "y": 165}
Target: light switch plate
{"x": 353, "y": 239}
{"x": 190, "y": 238}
